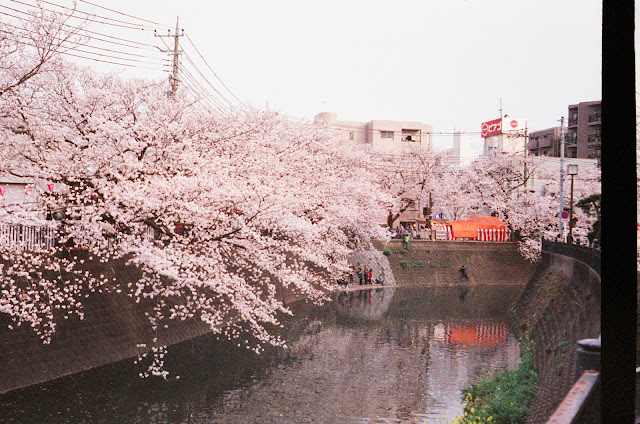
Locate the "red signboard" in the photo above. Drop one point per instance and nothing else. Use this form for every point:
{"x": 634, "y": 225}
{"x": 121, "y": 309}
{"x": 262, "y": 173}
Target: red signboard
{"x": 490, "y": 128}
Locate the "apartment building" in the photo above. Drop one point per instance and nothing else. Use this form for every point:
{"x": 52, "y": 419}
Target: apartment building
{"x": 584, "y": 130}
{"x": 545, "y": 142}
{"x": 382, "y": 134}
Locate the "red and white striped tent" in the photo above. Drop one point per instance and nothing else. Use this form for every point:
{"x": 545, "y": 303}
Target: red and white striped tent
{"x": 481, "y": 228}
{"x": 490, "y": 228}
{"x": 493, "y": 234}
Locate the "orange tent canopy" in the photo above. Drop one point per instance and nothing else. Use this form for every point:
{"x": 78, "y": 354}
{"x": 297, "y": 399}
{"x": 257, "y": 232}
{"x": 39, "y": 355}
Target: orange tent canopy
{"x": 464, "y": 229}
{"x": 488, "y": 222}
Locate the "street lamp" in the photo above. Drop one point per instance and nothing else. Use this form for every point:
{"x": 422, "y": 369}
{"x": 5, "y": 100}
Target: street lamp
{"x": 573, "y": 171}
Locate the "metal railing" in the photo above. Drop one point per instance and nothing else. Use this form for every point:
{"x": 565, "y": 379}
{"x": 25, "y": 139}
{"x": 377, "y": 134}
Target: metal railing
{"x": 584, "y": 254}
{"x": 28, "y": 237}
{"x": 594, "y": 139}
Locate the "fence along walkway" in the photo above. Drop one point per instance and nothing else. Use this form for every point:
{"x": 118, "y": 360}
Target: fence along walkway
{"x": 43, "y": 237}
{"x": 27, "y": 237}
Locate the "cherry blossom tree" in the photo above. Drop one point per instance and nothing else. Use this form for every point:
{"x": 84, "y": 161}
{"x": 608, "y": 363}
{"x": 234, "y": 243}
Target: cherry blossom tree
{"x": 406, "y": 175}
{"x": 453, "y": 195}
{"x": 218, "y": 213}
{"x": 502, "y": 185}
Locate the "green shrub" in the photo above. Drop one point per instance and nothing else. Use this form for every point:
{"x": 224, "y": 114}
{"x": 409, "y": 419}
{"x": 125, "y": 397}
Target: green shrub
{"x": 418, "y": 264}
{"x": 402, "y": 251}
{"x": 387, "y": 252}
{"x": 404, "y": 264}
{"x": 504, "y": 399}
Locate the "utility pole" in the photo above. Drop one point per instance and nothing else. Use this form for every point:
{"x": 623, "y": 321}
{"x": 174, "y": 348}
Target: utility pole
{"x": 176, "y": 55}
{"x": 560, "y": 195}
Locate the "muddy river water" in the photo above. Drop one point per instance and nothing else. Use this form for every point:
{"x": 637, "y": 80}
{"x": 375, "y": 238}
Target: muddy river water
{"x": 380, "y": 355}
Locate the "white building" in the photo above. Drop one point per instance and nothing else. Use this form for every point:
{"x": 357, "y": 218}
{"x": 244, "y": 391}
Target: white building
{"x": 548, "y": 165}
{"x": 382, "y": 134}
{"x": 462, "y": 153}
{"x": 504, "y": 135}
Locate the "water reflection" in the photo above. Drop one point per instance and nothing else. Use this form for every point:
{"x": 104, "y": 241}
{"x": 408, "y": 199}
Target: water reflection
{"x": 374, "y": 355}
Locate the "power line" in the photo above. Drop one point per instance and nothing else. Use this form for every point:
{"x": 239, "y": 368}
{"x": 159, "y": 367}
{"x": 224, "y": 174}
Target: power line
{"x": 120, "y": 23}
{"x": 74, "y": 28}
{"x": 124, "y": 14}
{"x": 65, "y": 49}
{"x": 212, "y": 71}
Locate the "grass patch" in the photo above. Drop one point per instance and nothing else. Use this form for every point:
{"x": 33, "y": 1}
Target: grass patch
{"x": 401, "y": 251}
{"x": 418, "y": 264}
{"x": 504, "y": 399}
{"x": 386, "y": 252}
{"x": 404, "y": 264}
{"x": 561, "y": 348}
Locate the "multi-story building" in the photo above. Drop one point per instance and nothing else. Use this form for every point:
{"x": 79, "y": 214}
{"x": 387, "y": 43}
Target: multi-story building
{"x": 462, "y": 153}
{"x": 504, "y": 135}
{"x": 545, "y": 142}
{"x": 584, "y": 137}
{"x": 382, "y": 135}
{"x": 389, "y": 137}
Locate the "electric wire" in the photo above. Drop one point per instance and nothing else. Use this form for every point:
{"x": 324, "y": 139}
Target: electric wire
{"x": 207, "y": 81}
{"x": 123, "y": 14}
{"x": 211, "y": 69}
{"x": 120, "y": 24}
{"x": 75, "y": 28}
{"x": 64, "y": 49}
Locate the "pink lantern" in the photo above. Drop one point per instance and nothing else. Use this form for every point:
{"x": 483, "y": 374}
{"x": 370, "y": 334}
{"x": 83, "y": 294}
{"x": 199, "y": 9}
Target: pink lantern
{"x": 27, "y": 188}
{"x": 50, "y": 187}
{"x": 2, "y": 190}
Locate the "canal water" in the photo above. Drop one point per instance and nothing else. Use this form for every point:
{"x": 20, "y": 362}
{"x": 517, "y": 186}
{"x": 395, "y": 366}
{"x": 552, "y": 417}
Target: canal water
{"x": 379, "y": 355}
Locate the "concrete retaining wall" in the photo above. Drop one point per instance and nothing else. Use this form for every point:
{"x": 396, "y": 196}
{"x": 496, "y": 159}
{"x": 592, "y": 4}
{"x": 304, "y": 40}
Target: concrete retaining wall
{"x": 560, "y": 305}
{"x": 436, "y": 263}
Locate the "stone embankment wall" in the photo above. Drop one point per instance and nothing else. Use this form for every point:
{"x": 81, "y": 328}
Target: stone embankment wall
{"x": 114, "y": 328}
{"x": 436, "y": 263}
{"x": 559, "y": 306}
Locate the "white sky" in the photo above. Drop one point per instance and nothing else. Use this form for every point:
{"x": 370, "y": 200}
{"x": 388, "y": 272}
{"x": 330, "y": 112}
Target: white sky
{"x": 443, "y": 62}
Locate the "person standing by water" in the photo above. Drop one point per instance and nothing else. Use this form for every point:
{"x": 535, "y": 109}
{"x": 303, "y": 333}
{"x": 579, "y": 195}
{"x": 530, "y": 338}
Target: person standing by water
{"x": 405, "y": 245}
{"x": 370, "y": 276}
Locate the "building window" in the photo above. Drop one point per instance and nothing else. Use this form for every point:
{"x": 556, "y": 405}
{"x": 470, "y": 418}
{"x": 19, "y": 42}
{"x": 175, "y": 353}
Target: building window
{"x": 574, "y": 116}
{"x": 386, "y": 134}
{"x": 350, "y": 135}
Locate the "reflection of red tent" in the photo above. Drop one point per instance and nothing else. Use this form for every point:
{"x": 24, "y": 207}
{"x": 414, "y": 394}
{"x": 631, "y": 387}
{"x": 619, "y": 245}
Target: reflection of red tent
{"x": 483, "y": 228}
{"x": 481, "y": 335}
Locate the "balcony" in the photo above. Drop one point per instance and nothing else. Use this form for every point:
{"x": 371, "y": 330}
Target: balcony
{"x": 595, "y": 118}
{"x": 594, "y": 140}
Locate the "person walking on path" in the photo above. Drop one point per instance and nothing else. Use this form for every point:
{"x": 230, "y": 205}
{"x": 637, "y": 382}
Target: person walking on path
{"x": 405, "y": 245}
{"x": 370, "y": 276}
{"x": 463, "y": 273}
